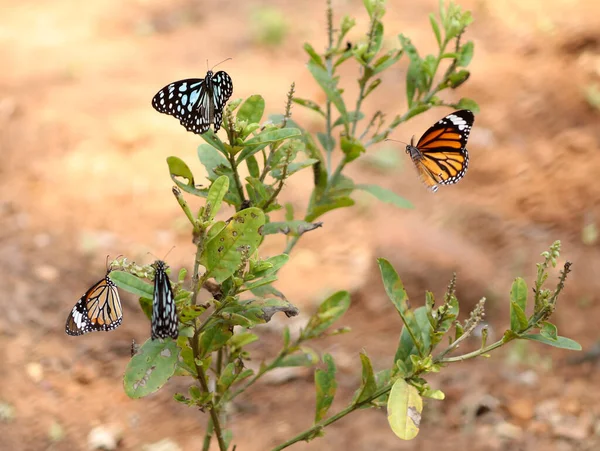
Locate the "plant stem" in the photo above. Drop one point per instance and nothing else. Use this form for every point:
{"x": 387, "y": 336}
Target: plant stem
{"x": 306, "y": 435}
{"x": 473, "y": 354}
{"x": 195, "y": 276}
{"x": 208, "y": 435}
{"x": 236, "y": 178}
{"x": 329, "y": 67}
{"x": 214, "y": 414}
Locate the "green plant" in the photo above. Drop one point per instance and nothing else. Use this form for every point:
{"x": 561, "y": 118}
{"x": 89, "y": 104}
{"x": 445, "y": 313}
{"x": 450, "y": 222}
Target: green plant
{"x": 212, "y": 345}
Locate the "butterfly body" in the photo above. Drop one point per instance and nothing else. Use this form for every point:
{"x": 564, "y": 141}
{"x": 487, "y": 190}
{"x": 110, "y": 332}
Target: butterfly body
{"x": 165, "y": 321}
{"x": 440, "y": 156}
{"x": 196, "y": 102}
{"x": 99, "y": 309}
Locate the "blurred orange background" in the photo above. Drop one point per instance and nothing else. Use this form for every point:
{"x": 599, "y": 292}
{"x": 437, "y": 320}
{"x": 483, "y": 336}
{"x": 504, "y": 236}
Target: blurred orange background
{"x": 83, "y": 175}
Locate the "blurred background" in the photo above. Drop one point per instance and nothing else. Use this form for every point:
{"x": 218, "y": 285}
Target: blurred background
{"x": 83, "y": 175}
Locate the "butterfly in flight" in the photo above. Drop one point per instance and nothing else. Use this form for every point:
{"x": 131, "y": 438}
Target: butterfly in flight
{"x": 196, "y": 102}
{"x": 98, "y": 309}
{"x": 441, "y": 156}
{"x": 164, "y": 314}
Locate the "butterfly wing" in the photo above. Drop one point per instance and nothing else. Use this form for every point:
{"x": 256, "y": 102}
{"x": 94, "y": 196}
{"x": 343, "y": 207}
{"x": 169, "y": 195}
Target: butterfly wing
{"x": 196, "y": 102}
{"x": 99, "y": 309}
{"x": 222, "y": 90}
{"x": 164, "y": 314}
{"x": 187, "y": 100}
{"x": 440, "y": 155}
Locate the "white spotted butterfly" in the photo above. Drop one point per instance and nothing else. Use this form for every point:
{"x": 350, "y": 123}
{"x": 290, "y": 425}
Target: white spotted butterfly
{"x": 196, "y": 102}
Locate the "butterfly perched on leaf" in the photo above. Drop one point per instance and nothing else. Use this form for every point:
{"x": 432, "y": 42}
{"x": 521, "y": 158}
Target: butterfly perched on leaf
{"x": 164, "y": 314}
{"x": 440, "y": 156}
{"x": 99, "y": 309}
{"x": 196, "y": 102}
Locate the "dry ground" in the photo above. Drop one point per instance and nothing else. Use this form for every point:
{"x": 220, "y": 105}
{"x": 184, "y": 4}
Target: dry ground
{"x": 83, "y": 176}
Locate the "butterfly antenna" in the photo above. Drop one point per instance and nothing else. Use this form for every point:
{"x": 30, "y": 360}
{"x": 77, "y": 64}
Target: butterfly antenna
{"x": 220, "y": 63}
{"x": 396, "y": 141}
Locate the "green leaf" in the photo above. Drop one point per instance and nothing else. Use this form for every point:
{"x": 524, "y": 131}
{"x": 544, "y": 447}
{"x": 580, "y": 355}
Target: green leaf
{"x": 518, "y": 295}
{"x": 368, "y": 386}
{"x": 466, "y": 54}
{"x": 222, "y": 256}
{"x": 468, "y": 104}
{"x": 326, "y": 141}
{"x": 213, "y": 338}
{"x": 273, "y": 136}
{"x": 458, "y": 78}
{"x": 262, "y": 310}
{"x": 314, "y": 56}
{"x": 393, "y": 286}
{"x": 518, "y": 319}
{"x": 146, "y": 306}
{"x": 415, "y": 74}
{"x": 374, "y": 84}
{"x": 560, "y": 342}
{"x": 211, "y": 158}
{"x": 549, "y": 330}
{"x": 260, "y": 190}
{"x": 326, "y": 386}
{"x": 290, "y": 228}
{"x": 404, "y": 408}
{"x": 351, "y": 117}
{"x": 328, "y": 313}
{"x": 275, "y": 262}
{"x": 178, "y": 168}
{"x": 249, "y": 151}
{"x": 329, "y": 85}
{"x": 309, "y": 104}
{"x": 352, "y": 148}
{"x": 216, "y": 193}
{"x": 306, "y": 357}
{"x": 377, "y": 40}
{"x": 131, "y": 283}
{"x": 259, "y": 283}
{"x": 211, "y": 138}
{"x": 252, "y": 109}
{"x": 150, "y": 368}
{"x": 436, "y": 29}
{"x": 253, "y": 169}
{"x": 385, "y": 61}
{"x": 328, "y": 205}
{"x": 385, "y": 195}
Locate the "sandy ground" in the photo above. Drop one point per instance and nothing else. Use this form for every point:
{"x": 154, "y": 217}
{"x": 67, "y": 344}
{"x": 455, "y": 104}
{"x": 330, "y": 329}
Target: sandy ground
{"x": 83, "y": 175}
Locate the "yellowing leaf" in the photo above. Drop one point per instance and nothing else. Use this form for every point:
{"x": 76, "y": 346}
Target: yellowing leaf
{"x": 404, "y": 410}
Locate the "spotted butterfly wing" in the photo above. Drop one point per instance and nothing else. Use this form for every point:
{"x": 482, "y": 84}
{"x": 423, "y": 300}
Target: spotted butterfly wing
{"x": 196, "y": 102}
{"x": 164, "y": 314}
{"x": 99, "y": 309}
{"x": 440, "y": 156}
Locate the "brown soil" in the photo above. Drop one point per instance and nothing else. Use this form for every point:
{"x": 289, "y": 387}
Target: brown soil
{"x": 83, "y": 176}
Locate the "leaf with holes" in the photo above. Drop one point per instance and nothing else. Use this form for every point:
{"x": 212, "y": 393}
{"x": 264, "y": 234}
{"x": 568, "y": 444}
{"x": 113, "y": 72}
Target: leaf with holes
{"x": 150, "y": 368}
{"x": 222, "y": 255}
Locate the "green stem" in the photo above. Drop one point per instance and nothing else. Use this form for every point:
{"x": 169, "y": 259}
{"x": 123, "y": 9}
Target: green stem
{"x": 329, "y": 67}
{"x": 195, "y": 276}
{"x": 309, "y": 433}
{"x": 473, "y": 354}
{"x": 208, "y": 435}
{"x": 236, "y": 178}
{"x": 214, "y": 414}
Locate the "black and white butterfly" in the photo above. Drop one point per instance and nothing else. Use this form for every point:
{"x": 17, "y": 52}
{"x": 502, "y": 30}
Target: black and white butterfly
{"x": 196, "y": 102}
{"x": 99, "y": 309}
{"x": 164, "y": 314}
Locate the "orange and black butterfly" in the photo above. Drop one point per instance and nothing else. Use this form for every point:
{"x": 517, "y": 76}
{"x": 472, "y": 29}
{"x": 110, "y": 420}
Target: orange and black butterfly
{"x": 441, "y": 156}
{"x": 98, "y": 309}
